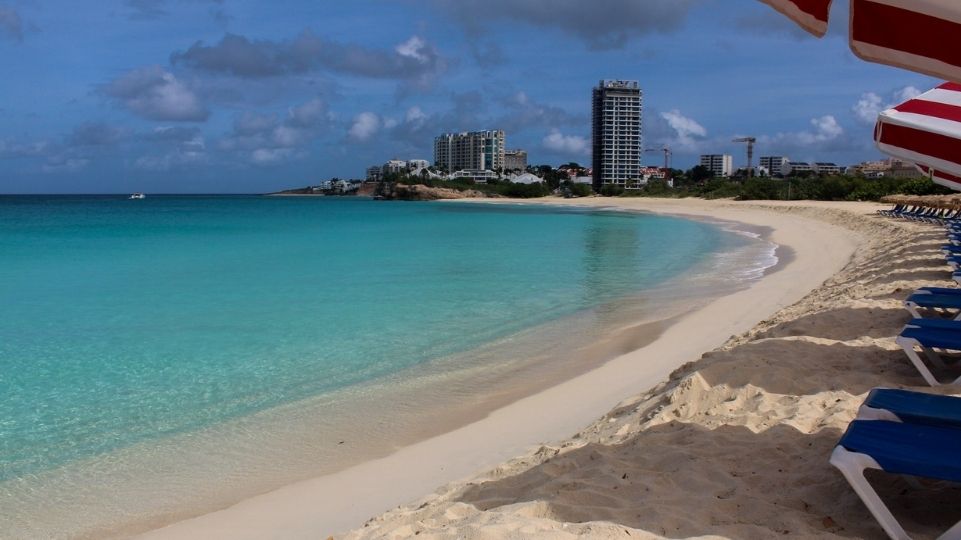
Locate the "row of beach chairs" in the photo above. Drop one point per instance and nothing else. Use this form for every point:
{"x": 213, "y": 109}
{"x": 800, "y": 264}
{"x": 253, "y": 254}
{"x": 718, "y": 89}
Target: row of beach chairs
{"x": 909, "y": 433}
{"x": 921, "y": 213}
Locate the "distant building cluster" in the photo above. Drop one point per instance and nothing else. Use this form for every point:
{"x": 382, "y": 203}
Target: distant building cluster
{"x": 893, "y": 168}
{"x": 479, "y": 156}
{"x": 617, "y": 150}
{"x": 722, "y": 166}
{"x": 397, "y": 166}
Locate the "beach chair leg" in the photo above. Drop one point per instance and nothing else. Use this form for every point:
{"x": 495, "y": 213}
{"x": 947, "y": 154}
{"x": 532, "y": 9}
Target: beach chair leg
{"x": 852, "y": 466}
{"x": 908, "y": 345}
{"x": 912, "y": 309}
{"x": 954, "y": 533}
{"x": 933, "y": 357}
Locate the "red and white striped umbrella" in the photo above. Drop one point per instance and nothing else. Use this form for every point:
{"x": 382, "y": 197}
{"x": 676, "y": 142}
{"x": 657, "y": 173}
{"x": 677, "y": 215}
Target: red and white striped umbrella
{"x": 919, "y": 35}
{"x": 926, "y": 130}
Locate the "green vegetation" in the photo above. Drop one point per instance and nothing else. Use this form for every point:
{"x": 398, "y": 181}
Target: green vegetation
{"x": 828, "y": 188}
{"x": 696, "y": 182}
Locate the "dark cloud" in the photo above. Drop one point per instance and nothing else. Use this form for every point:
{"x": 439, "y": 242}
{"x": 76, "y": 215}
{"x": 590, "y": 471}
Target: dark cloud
{"x": 602, "y": 24}
{"x": 147, "y": 9}
{"x": 522, "y": 112}
{"x": 156, "y": 94}
{"x": 157, "y": 9}
{"x": 487, "y": 54}
{"x": 95, "y": 134}
{"x": 11, "y": 25}
{"x": 413, "y": 60}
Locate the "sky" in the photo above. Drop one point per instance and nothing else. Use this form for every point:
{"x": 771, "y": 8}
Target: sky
{"x": 242, "y": 96}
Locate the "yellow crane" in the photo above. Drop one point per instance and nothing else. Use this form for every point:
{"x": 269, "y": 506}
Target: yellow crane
{"x": 750, "y": 153}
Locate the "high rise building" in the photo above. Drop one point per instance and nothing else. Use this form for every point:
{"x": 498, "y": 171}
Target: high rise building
{"x": 474, "y": 151}
{"x": 720, "y": 165}
{"x": 616, "y": 133}
{"x": 776, "y": 165}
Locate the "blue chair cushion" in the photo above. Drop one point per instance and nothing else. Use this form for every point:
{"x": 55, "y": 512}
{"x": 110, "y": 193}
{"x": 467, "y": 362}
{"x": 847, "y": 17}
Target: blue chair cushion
{"x": 917, "y": 407}
{"x": 914, "y": 449}
{"x": 952, "y": 301}
{"x": 941, "y": 290}
{"x": 931, "y": 336}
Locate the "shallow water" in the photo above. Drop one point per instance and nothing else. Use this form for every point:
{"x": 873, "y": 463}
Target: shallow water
{"x": 151, "y": 348}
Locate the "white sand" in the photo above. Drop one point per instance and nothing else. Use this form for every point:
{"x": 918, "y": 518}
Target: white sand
{"x": 733, "y": 445}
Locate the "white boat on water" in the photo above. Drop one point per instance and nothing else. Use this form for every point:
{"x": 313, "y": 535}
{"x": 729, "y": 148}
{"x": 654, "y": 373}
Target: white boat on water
{"x": 138, "y": 196}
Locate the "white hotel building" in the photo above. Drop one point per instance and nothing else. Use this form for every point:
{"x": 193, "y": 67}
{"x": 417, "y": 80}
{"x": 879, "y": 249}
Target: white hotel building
{"x": 721, "y": 165}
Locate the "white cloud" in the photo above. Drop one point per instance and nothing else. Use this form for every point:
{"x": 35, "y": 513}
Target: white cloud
{"x": 826, "y": 129}
{"x": 828, "y": 135}
{"x": 415, "y": 48}
{"x": 415, "y": 115}
{"x": 156, "y": 94}
{"x": 18, "y": 149}
{"x": 310, "y": 114}
{"x": 267, "y": 156}
{"x": 687, "y": 131}
{"x": 366, "y": 125}
{"x": 906, "y": 93}
{"x": 867, "y": 109}
{"x": 556, "y": 141}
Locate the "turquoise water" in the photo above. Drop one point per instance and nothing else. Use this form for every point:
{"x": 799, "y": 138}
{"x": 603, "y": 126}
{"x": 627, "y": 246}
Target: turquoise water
{"x": 126, "y": 321}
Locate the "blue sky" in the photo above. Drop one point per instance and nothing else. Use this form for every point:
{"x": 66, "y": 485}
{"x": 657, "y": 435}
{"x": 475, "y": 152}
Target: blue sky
{"x": 204, "y": 96}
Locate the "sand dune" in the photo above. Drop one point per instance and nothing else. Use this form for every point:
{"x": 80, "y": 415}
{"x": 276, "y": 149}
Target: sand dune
{"x": 735, "y": 445}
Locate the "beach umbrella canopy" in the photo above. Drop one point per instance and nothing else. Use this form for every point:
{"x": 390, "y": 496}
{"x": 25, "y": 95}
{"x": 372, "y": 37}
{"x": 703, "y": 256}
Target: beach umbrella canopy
{"x": 926, "y": 130}
{"x": 919, "y": 35}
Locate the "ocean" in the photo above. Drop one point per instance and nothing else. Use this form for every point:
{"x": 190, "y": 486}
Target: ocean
{"x": 220, "y": 346}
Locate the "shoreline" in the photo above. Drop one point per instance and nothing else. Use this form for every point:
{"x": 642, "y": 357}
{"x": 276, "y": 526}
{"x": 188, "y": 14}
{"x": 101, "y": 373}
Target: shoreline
{"x": 317, "y": 507}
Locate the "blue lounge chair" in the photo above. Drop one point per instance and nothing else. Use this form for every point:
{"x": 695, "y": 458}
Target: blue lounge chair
{"x": 916, "y": 450}
{"x": 950, "y": 250}
{"x": 929, "y": 335}
{"x": 934, "y": 299}
{"x": 911, "y": 407}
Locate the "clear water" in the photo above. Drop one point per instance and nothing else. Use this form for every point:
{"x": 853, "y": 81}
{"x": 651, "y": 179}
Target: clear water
{"x": 125, "y": 322}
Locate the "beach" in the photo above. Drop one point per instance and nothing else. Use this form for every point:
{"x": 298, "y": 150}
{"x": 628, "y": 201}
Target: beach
{"x": 732, "y": 410}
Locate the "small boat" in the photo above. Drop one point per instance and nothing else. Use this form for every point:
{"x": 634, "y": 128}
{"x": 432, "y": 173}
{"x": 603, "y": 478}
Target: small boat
{"x": 138, "y": 196}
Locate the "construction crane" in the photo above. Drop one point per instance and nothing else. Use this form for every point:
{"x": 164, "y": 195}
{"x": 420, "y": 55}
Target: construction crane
{"x": 750, "y": 153}
{"x": 667, "y": 158}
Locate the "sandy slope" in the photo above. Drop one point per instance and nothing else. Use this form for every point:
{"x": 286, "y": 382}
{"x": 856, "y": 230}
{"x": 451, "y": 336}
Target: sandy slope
{"x": 736, "y": 444}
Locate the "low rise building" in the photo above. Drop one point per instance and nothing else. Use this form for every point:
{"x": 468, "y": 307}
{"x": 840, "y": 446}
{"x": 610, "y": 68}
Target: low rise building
{"x": 478, "y": 176}
{"x": 394, "y": 166}
{"x": 515, "y": 160}
{"x": 798, "y": 167}
{"x": 720, "y": 165}
{"x": 416, "y": 164}
{"x": 825, "y": 169}
{"x": 527, "y": 178}
{"x": 775, "y": 164}
{"x": 375, "y": 173}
